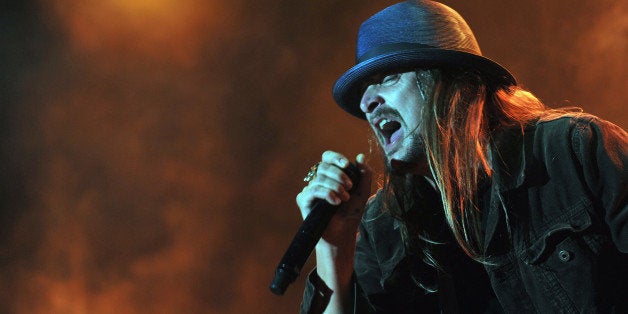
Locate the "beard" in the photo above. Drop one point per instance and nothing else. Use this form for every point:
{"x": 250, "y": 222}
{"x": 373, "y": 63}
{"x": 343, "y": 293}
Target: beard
{"x": 412, "y": 159}
{"x": 414, "y": 148}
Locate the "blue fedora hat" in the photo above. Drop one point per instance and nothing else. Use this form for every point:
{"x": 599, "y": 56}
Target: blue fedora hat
{"x": 409, "y": 35}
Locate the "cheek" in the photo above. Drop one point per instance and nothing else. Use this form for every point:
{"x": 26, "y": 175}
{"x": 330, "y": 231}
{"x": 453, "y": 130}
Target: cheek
{"x": 413, "y": 111}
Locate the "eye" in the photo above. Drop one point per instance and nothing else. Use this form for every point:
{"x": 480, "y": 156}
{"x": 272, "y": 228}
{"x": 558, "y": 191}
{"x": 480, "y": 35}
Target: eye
{"x": 382, "y": 80}
{"x": 390, "y": 79}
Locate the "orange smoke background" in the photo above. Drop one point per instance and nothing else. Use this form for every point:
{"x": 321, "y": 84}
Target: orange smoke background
{"x": 151, "y": 150}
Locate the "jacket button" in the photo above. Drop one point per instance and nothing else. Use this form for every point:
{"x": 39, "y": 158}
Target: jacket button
{"x": 564, "y": 255}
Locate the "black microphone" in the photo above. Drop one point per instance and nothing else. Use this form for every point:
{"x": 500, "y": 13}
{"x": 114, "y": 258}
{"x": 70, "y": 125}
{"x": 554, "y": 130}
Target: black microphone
{"x": 306, "y": 238}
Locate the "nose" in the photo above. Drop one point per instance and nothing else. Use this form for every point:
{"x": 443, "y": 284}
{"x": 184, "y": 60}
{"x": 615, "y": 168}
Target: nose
{"x": 371, "y": 99}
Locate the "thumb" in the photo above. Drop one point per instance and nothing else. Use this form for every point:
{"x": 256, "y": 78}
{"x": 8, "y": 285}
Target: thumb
{"x": 366, "y": 173}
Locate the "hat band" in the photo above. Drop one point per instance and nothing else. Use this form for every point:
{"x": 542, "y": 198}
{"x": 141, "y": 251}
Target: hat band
{"x": 389, "y": 48}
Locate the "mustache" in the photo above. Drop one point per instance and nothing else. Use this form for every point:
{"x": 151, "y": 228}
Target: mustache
{"x": 387, "y": 112}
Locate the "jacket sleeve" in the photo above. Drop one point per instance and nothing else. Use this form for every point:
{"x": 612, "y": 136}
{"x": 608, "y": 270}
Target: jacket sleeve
{"x": 316, "y": 295}
{"x": 383, "y": 280}
{"x": 601, "y": 147}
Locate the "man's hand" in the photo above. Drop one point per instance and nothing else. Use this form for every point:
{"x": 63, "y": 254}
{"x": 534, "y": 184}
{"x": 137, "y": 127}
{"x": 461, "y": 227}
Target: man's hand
{"x": 331, "y": 184}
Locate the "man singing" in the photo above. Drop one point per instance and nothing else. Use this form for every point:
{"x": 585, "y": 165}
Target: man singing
{"x": 491, "y": 202}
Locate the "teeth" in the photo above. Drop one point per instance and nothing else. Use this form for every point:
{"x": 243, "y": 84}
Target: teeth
{"x": 382, "y": 123}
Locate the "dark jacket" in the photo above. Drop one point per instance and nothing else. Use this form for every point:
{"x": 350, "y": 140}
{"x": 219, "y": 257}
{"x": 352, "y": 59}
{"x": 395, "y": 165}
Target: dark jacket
{"x": 555, "y": 226}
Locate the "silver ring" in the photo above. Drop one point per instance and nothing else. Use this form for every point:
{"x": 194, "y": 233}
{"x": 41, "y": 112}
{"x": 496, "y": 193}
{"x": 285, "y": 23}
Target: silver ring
{"x": 311, "y": 174}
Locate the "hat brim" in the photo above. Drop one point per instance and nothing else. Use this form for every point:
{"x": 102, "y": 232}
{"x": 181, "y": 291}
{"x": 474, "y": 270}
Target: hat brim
{"x": 347, "y": 93}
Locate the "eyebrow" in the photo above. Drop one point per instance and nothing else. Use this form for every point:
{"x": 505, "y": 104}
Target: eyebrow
{"x": 375, "y": 78}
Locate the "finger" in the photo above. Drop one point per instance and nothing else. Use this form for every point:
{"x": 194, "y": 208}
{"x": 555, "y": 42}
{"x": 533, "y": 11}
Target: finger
{"x": 312, "y": 192}
{"x": 332, "y": 172}
{"x": 335, "y": 158}
{"x": 361, "y": 159}
{"x": 332, "y": 184}
{"x": 366, "y": 174}
{"x": 364, "y": 166}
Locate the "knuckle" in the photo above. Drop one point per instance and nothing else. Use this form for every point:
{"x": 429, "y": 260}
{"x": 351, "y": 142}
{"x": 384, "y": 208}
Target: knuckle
{"x": 324, "y": 168}
{"x": 322, "y": 191}
{"x": 321, "y": 166}
{"x": 330, "y": 155}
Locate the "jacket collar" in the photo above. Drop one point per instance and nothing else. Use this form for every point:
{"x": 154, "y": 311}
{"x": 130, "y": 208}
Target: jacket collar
{"x": 511, "y": 158}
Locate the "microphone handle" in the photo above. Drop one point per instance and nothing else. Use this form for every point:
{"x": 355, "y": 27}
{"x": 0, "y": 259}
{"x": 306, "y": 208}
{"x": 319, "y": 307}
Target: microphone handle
{"x": 306, "y": 238}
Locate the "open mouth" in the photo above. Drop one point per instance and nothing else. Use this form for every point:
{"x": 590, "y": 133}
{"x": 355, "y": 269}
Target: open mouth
{"x": 390, "y": 131}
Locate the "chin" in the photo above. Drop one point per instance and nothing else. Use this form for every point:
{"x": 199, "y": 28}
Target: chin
{"x": 413, "y": 160}
{"x": 413, "y": 153}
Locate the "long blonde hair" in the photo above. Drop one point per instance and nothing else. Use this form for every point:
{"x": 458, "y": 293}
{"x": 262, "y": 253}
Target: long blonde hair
{"x": 461, "y": 114}
{"x": 457, "y": 126}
